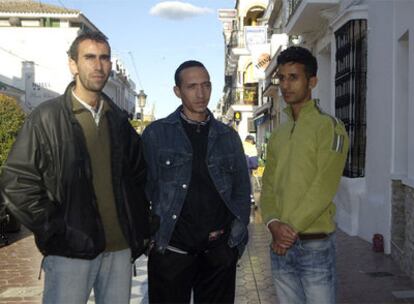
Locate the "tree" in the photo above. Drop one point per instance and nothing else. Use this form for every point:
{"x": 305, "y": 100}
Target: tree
{"x": 11, "y": 119}
{"x": 138, "y": 125}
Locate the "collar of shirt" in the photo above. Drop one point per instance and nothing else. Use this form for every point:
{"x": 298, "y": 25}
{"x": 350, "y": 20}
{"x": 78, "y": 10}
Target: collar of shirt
{"x": 193, "y": 122}
{"x": 96, "y": 114}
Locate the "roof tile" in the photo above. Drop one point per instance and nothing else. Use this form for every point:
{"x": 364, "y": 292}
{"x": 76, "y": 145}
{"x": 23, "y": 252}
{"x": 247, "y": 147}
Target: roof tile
{"x": 29, "y": 6}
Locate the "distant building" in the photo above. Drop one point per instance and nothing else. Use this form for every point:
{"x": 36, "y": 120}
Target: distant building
{"x": 13, "y": 92}
{"x": 247, "y": 52}
{"x": 34, "y": 39}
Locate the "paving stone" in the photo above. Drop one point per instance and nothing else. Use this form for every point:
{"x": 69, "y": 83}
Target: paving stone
{"x": 20, "y": 264}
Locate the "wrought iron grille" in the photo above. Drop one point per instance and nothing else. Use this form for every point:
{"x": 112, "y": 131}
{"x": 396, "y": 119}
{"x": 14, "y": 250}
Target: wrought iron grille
{"x": 351, "y": 90}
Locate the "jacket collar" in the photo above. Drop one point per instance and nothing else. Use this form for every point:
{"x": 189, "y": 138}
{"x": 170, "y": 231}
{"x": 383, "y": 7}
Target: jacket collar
{"x": 308, "y": 107}
{"x": 174, "y": 117}
{"x": 215, "y": 126}
{"x": 111, "y": 108}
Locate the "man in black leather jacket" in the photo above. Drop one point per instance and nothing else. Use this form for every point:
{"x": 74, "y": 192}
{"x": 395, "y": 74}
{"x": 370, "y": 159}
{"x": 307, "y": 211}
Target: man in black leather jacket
{"x": 75, "y": 177}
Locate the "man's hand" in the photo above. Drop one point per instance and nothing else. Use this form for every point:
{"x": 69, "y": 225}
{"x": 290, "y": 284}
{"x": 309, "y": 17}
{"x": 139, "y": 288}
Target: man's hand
{"x": 283, "y": 237}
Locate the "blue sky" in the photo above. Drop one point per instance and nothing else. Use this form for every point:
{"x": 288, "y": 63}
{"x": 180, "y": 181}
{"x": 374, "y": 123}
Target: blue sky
{"x": 160, "y": 35}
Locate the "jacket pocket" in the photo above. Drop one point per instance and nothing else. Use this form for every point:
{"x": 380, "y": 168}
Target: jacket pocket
{"x": 171, "y": 164}
{"x": 239, "y": 236}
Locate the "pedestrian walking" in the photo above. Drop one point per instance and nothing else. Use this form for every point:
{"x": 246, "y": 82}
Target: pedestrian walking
{"x": 252, "y": 159}
{"x": 305, "y": 160}
{"x": 199, "y": 186}
{"x": 75, "y": 177}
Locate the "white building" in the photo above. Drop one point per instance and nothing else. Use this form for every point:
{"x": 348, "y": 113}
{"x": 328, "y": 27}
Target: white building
{"x": 247, "y": 53}
{"x": 34, "y": 39}
{"x": 366, "y": 71}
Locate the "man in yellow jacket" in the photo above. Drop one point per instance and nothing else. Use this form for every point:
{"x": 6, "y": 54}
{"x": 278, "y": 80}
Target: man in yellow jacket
{"x": 306, "y": 157}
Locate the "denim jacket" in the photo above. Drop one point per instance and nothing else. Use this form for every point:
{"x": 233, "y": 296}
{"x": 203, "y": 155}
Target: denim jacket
{"x": 168, "y": 153}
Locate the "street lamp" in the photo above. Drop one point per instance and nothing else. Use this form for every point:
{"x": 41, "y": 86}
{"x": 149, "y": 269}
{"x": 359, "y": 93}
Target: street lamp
{"x": 142, "y": 100}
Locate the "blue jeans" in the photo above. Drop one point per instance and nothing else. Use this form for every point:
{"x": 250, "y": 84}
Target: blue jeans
{"x": 307, "y": 273}
{"x": 71, "y": 280}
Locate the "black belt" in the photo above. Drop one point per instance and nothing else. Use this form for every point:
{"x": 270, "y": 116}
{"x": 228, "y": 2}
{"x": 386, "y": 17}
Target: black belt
{"x": 312, "y": 236}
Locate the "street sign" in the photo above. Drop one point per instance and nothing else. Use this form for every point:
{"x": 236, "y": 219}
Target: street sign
{"x": 237, "y": 116}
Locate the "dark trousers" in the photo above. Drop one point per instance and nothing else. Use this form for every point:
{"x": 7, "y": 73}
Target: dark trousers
{"x": 211, "y": 275}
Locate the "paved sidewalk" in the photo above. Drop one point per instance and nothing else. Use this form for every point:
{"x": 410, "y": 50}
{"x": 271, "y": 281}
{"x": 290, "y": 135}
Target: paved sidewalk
{"x": 363, "y": 275}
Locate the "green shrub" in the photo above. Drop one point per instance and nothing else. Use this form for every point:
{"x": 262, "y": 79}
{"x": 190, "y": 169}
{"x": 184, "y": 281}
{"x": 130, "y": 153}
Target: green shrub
{"x": 11, "y": 119}
{"x": 138, "y": 124}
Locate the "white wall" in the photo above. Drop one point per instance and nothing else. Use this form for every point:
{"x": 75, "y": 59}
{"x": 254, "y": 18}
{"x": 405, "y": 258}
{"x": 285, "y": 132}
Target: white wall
{"x": 324, "y": 86}
{"x": 375, "y": 211}
{"x": 390, "y": 103}
{"x": 403, "y": 156}
{"x": 348, "y": 201}
{"x": 247, "y": 112}
{"x": 278, "y": 41}
{"x": 46, "y": 47}
{"x": 364, "y": 204}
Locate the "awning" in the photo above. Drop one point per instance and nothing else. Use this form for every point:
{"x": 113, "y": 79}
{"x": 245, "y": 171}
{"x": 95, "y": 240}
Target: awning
{"x": 262, "y": 109}
{"x": 270, "y": 90}
{"x": 261, "y": 119}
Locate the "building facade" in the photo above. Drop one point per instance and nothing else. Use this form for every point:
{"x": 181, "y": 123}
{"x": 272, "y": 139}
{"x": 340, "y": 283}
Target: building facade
{"x": 34, "y": 39}
{"x": 366, "y": 71}
{"x": 246, "y": 56}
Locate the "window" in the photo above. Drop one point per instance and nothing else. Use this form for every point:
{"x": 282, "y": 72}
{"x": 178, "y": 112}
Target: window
{"x": 51, "y": 22}
{"x": 54, "y": 23}
{"x": 351, "y": 90}
{"x": 250, "y": 94}
{"x": 251, "y": 127}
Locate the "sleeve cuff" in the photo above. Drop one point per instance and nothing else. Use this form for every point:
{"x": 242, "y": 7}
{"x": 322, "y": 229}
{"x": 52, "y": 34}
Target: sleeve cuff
{"x": 271, "y": 221}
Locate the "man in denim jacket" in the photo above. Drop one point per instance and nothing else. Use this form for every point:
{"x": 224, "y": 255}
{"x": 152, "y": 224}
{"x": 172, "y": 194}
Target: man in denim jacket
{"x": 199, "y": 185}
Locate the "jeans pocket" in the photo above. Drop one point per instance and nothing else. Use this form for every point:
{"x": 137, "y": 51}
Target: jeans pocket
{"x": 279, "y": 263}
{"x": 221, "y": 256}
{"x": 317, "y": 255}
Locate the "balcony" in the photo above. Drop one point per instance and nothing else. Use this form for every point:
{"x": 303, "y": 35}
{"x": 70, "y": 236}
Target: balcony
{"x": 274, "y": 11}
{"x": 235, "y": 48}
{"x": 306, "y": 16}
{"x": 237, "y": 44}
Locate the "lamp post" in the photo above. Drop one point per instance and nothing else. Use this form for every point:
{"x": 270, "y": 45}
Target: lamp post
{"x": 142, "y": 100}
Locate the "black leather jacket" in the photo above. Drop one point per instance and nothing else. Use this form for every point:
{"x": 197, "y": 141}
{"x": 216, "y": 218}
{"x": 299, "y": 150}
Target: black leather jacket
{"x": 46, "y": 182}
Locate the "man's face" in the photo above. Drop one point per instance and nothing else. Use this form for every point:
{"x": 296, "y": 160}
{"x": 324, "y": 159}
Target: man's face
{"x": 92, "y": 67}
{"x": 194, "y": 91}
{"x": 294, "y": 84}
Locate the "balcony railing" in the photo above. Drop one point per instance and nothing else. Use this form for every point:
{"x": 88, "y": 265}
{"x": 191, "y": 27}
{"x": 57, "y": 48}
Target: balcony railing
{"x": 293, "y": 5}
{"x": 237, "y": 39}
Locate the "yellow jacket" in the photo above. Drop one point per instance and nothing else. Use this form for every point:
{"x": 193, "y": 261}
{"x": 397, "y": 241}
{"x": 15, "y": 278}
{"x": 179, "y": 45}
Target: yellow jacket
{"x": 305, "y": 162}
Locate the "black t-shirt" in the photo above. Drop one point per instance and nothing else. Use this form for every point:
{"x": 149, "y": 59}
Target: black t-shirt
{"x": 204, "y": 211}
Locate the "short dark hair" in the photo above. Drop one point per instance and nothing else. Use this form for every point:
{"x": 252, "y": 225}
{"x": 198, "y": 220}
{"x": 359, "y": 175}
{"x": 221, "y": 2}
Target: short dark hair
{"x": 185, "y": 65}
{"x": 249, "y": 137}
{"x": 297, "y": 54}
{"x": 73, "y": 51}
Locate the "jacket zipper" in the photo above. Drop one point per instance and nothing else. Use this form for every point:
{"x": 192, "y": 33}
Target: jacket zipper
{"x": 292, "y": 130}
